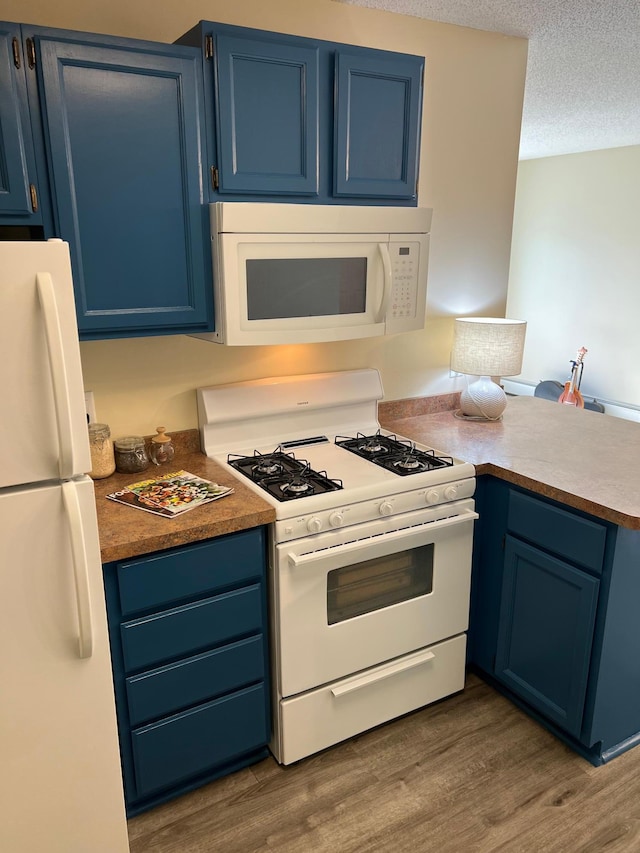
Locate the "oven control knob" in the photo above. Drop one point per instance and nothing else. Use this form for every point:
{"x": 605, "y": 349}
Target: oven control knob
{"x": 336, "y": 519}
{"x": 432, "y": 496}
{"x": 314, "y": 524}
{"x": 451, "y": 493}
{"x": 385, "y": 508}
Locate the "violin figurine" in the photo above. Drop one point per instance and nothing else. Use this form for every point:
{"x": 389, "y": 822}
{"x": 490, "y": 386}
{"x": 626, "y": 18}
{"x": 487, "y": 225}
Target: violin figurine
{"x": 571, "y": 395}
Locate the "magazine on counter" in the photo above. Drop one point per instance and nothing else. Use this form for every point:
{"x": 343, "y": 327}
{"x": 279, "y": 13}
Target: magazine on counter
{"x": 171, "y": 494}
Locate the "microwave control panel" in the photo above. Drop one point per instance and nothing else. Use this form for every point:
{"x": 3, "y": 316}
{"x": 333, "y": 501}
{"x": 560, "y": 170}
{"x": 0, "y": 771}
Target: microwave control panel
{"x": 405, "y": 258}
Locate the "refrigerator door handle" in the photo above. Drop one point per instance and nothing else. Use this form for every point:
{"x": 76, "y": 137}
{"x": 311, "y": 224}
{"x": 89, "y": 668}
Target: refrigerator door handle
{"x": 80, "y": 562}
{"x": 61, "y": 391}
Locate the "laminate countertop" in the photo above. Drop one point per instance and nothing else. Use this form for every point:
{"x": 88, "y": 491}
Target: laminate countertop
{"x": 580, "y": 458}
{"x": 126, "y": 532}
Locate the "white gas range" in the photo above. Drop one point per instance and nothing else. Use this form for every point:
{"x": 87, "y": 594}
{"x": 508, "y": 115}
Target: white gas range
{"x": 370, "y": 554}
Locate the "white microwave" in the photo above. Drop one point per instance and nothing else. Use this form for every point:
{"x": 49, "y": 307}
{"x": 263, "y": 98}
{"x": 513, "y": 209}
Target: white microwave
{"x": 303, "y": 273}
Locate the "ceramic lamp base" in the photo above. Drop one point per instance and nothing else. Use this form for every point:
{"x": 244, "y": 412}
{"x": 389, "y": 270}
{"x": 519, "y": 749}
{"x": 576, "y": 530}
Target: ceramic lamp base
{"x": 483, "y": 399}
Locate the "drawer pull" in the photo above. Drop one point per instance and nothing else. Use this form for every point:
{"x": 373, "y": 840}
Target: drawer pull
{"x": 381, "y": 673}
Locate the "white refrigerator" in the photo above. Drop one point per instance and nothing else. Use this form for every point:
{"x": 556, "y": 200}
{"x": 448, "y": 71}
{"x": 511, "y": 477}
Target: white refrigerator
{"x": 60, "y": 779}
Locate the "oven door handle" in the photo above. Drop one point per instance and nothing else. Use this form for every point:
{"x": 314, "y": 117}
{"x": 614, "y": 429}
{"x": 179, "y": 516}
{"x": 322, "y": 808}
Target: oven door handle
{"x": 381, "y": 673}
{"x": 298, "y": 560}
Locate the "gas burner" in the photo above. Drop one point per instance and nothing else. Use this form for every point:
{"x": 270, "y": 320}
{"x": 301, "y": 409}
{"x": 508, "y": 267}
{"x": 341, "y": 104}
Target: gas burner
{"x": 372, "y": 445}
{"x": 410, "y": 463}
{"x": 268, "y": 466}
{"x": 296, "y": 485}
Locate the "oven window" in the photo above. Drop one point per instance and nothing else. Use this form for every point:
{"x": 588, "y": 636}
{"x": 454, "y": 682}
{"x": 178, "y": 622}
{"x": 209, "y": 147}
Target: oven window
{"x": 378, "y": 583}
{"x": 305, "y": 287}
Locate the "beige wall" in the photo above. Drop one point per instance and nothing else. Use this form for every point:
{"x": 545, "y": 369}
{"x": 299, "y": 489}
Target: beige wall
{"x": 472, "y": 107}
{"x": 575, "y": 269}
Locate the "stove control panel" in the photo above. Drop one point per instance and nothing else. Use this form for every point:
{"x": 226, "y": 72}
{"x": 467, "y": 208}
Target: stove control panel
{"x": 321, "y": 521}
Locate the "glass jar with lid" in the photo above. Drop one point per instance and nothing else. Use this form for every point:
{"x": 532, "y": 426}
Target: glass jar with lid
{"x": 101, "y": 446}
{"x": 161, "y": 448}
{"x": 131, "y": 454}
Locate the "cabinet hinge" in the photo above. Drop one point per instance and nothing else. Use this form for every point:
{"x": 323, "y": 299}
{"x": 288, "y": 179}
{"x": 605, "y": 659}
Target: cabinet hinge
{"x": 15, "y": 44}
{"x": 208, "y": 47}
{"x": 34, "y": 197}
{"x": 31, "y": 53}
{"x": 214, "y": 177}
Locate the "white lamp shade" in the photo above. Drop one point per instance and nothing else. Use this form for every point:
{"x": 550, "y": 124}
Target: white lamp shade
{"x": 488, "y": 346}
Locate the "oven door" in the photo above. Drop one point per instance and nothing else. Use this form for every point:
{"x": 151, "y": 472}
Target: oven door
{"x": 358, "y": 596}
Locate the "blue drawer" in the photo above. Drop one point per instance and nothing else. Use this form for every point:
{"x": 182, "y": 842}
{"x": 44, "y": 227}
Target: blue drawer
{"x": 563, "y": 533}
{"x": 150, "y": 583}
{"x": 170, "y": 688}
{"x": 188, "y": 744}
{"x": 191, "y": 628}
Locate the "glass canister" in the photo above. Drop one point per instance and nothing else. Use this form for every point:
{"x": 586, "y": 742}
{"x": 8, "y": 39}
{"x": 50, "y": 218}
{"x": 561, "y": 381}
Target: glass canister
{"x": 102, "y": 458}
{"x": 161, "y": 449}
{"x": 131, "y": 454}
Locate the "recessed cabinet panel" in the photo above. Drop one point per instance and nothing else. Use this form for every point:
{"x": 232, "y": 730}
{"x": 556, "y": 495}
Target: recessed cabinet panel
{"x": 267, "y": 104}
{"x": 547, "y": 618}
{"x": 377, "y": 125}
{"x": 171, "y": 688}
{"x": 182, "y": 630}
{"x": 163, "y": 579}
{"x": 14, "y": 141}
{"x": 167, "y": 752}
{"x": 123, "y": 134}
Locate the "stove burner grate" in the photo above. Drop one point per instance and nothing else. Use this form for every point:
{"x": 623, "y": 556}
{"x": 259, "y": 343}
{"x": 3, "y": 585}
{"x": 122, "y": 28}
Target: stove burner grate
{"x": 398, "y": 455}
{"x": 282, "y": 475}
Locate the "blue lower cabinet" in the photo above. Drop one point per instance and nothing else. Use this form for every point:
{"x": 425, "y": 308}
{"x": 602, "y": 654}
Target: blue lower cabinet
{"x": 191, "y": 669}
{"x": 547, "y": 619}
{"x": 174, "y": 749}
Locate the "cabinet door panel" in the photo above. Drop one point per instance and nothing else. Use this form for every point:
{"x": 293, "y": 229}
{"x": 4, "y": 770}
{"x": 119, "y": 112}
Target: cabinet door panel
{"x": 377, "y": 126}
{"x": 267, "y": 100}
{"x": 124, "y": 145}
{"x": 166, "y": 578}
{"x": 547, "y": 619}
{"x": 170, "y": 688}
{"x": 182, "y": 630}
{"x": 14, "y": 141}
{"x": 167, "y": 752}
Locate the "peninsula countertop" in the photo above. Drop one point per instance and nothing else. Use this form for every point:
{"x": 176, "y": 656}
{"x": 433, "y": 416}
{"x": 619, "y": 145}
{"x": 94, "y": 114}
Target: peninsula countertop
{"x": 126, "y": 532}
{"x": 581, "y": 458}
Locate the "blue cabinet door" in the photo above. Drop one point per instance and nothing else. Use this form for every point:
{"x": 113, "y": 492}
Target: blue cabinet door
{"x": 547, "y": 618}
{"x": 267, "y": 115}
{"x": 124, "y": 141}
{"x": 15, "y": 135}
{"x": 377, "y": 125}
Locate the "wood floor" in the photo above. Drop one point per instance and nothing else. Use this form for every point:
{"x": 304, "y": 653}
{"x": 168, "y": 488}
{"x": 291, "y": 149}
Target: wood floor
{"x": 471, "y": 774}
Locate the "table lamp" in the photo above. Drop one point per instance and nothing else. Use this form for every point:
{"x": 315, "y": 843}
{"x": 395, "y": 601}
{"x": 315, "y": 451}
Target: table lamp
{"x": 486, "y": 347}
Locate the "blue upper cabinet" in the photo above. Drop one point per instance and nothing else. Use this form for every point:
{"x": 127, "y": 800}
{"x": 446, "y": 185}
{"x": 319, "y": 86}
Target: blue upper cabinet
{"x": 18, "y": 188}
{"x": 377, "y": 125}
{"x": 298, "y": 119}
{"x": 124, "y": 140}
{"x": 267, "y": 116}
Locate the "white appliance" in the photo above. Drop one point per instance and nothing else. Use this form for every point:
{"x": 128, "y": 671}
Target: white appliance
{"x": 60, "y": 785}
{"x": 302, "y": 273}
{"x": 370, "y": 553}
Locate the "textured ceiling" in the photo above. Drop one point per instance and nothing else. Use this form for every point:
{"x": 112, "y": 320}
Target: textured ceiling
{"x": 583, "y": 74}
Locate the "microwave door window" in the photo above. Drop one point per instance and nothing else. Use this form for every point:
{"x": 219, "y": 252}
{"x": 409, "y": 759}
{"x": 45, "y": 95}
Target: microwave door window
{"x": 279, "y": 288}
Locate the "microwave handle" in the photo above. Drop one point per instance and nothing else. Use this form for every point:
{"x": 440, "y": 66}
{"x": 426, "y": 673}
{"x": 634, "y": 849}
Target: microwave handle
{"x": 385, "y": 257}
